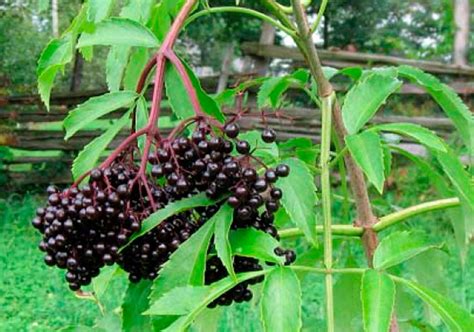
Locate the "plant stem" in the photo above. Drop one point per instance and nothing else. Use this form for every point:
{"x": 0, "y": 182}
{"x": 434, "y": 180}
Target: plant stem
{"x": 241, "y": 10}
{"x": 326, "y": 271}
{"x": 384, "y": 223}
{"x": 340, "y": 230}
{"x": 322, "y": 9}
{"x": 327, "y": 103}
{"x": 396, "y": 217}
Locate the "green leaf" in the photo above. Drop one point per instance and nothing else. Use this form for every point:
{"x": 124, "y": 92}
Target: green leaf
{"x": 134, "y": 304}
{"x": 138, "y": 10}
{"x": 142, "y": 116}
{"x": 453, "y": 315}
{"x": 98, "y": 10}
{"x": 115, "y": 66}
{"x": 417, "y": 132}
{"x": 45, "y": 83}
{"x": 457, "y": 174}
{"x": 119, "y": 32}
{"x": 224, "y": 218}
{"x": 271, "y": 91}
{"x": 281, "y": 301}
{"x": 57, "y": 52}
{"x": 179, "y": 97}
{"x": 135, "y": 66}
{"x": 196, "y": 299}
{"x": 102, "y": 281}
{"x": 312, "y": 257}
{"x": 250, "y": 242}
{"x": 378, "y": 298}
{"x": 347, "y": 316}
{"x": 160, "y": 21}
{"x": 90, "y": 154}
{"x": 207, "y": 321}
{"x": 400, "y": 246}
{"x": 187, "y": 264}
{"x": 449, "y": 101}
{"x": 265, "y": 151}
{"x": 366, "y": 148}
{"x": 169, "y": 210}
{"x": 365, "y": 98}
{"x": 299, "y": 197}
{"x": 208, "y": 104}
{"x": 96, "y": 107}
{"x": 177, "y": 94}
{"x": 185, "y": 267}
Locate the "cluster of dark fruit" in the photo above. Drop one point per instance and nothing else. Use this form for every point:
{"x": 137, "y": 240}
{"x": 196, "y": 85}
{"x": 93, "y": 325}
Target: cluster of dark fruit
{"x": 205, "y": 163}
{"x": 84, "y": 228}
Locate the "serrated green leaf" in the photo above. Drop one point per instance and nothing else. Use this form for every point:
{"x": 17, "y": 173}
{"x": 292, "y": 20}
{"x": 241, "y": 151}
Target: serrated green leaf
{"x": 98, "y": 10}
{"x": 110, "y": 322}
{"x": 169, "y": 210}
{"x": 196, "y": 304}
{"x": 224, "y": 218}
{"x": 348, "y": 316}
{"x": 366, "y": 149}
{"x": 115, "y": 66}
{"x": 177, "y": 95}
{"x": 399, "y": 247}
{"x": 135, "y": 66}
{"x": 208, "y": 104}
{"x": 134, "y": 304}
{"x": 365, "y": 98}
{"x": 419, "y": 133}
{"x": 281, "y": 301}
{"x": 160, "y": 21}
{"x": 45, "y": 83}
{"x": 179, "y": 301}
{"x": 454, "y": 316}
{"x": 90, "y": 154}
{"x": 457, "y": 174}
{"x": 119, "y": 32}
{"x": 250, "y": 242}
{"x": 185, "y": 267}
{"x": 378, "y": 298}
{"x": 299, "y": 198}
{"x": 59, "y": 51}
{"x": 207, "y": 321}
{"x": 271, "y": 90}
{"x": 449, "y": 101}
{"x": 102, "y": 281}
{"x": 96, "y": 107}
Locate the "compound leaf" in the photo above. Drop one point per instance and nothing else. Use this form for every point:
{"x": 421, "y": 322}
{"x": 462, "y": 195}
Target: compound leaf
{"x": 254, "y": 243}
{"x": 221, "y": 237}
{"x": 134, "y": 304}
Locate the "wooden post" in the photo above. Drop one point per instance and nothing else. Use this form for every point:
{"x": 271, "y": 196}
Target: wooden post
{"x": 54, "y": 18}
{"x": 267, "y": 37}
{"x": 225, "y": 68}
{"x": 461, "y": 38}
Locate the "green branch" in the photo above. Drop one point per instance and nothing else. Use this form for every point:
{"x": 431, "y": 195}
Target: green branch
{"x": 384, "y": 222}
{"x": 241, "y": 10}
{"x": 321, "y": 11}
{"x": 399, "y": 216}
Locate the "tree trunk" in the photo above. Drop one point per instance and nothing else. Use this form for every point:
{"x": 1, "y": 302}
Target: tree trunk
{"x": 76, "y": 78}
{"x": 225, "y": 68}
{"x": 54, "y": 18}
{"x": 461, "y": 39}
{"x": 267, "y": 37}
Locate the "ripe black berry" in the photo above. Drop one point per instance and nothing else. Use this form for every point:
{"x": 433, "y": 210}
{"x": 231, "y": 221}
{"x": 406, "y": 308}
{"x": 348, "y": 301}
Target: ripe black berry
{"x": 268, "y": 135}
{"x": 243, "y": 147}
{"x": 282, "y": 170}
{"x": 232, "y": 130}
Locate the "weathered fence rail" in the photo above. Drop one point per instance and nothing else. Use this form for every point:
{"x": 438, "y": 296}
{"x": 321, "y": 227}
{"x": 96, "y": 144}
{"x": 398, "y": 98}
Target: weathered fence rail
{"x": 22, "y": 117}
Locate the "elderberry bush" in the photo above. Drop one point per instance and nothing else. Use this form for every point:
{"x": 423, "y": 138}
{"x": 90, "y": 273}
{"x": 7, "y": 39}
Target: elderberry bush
{"x": 84, "y": 227}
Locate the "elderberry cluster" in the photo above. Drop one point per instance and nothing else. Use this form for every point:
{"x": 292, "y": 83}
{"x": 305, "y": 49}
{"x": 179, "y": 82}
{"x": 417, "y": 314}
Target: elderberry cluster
{"x": 84, "y": 228}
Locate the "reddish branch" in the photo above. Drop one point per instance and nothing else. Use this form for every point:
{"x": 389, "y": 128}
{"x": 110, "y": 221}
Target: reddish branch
{"x": 151, "y": 130}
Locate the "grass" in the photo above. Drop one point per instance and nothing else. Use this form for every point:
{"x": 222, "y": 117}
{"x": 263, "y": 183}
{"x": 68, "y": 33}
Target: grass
{"x": 34, "y": 297}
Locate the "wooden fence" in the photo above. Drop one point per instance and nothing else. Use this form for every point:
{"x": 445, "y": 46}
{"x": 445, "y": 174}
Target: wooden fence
{"x": 22, "y": 117}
